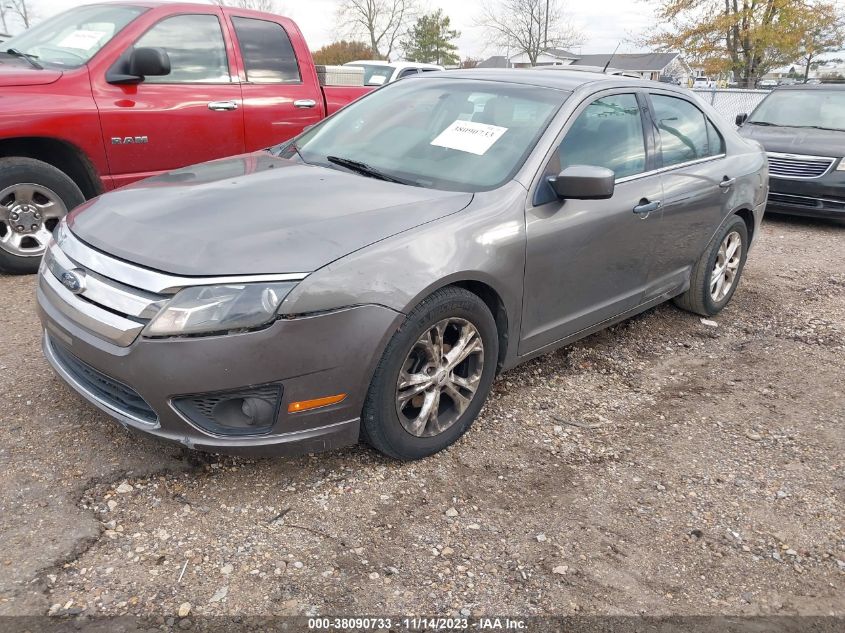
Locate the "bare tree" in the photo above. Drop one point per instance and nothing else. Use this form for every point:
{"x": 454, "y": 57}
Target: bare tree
{"x": 383, "y": 22}
{"x": 4, "y": 8}
{"x": 528, "y": 26}
{"x": 269, "y": 6}
{"x": 21, "y": 9}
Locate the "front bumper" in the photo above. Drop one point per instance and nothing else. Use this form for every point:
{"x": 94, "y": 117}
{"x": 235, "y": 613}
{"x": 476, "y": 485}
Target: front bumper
{"x": 816, "y": 197}
{"x": 309, "y": 357}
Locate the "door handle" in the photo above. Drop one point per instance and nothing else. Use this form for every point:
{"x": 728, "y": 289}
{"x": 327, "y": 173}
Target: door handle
{"x": 304, "y": 103}
{"x": 222, "y": 106}
{"x": 727, "y": 182}
{"x": 645, "y": 207}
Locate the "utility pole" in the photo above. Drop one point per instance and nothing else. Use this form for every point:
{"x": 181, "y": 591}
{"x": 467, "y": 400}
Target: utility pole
{"x": 546, "y": 28}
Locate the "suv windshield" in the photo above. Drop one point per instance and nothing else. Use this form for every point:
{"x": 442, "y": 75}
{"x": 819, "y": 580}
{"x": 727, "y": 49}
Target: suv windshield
{"x": 451, "y": 134}
{"x": 802, "y": 108}
{"x": 71, "y": 38}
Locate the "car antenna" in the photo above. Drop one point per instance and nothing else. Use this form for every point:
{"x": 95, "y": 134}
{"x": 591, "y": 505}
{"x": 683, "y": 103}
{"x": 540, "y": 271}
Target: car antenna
{"x": 610, "y": 59}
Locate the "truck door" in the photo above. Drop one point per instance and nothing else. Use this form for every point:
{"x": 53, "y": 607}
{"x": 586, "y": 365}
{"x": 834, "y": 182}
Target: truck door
{"x": 192, "y": 115}
{"x": 280, "y": 90}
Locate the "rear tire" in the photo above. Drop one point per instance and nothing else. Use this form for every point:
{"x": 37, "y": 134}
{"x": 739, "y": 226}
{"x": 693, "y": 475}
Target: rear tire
{"x": 34, "y": 197}
{"x": 707, "y": 295}
{"x": 421, "y": 399}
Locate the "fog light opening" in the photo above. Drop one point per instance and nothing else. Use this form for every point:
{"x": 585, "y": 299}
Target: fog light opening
{"x": 244, "y": 413}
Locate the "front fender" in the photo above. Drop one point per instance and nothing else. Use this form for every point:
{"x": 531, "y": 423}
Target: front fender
{"x": 483, "y": 243}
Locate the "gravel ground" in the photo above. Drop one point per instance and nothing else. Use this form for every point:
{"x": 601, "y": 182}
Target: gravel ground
{"x": 665, "y": 466}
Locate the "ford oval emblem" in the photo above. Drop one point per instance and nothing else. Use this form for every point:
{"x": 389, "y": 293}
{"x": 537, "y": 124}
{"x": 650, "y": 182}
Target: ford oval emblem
{"x": 74, "y": 280}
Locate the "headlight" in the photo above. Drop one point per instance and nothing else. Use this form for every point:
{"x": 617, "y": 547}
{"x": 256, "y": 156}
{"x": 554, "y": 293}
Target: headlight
{"x": 216, "y": 309}
{"x": 841, "y": 166}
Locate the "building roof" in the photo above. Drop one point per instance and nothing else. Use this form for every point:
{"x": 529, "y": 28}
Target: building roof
{"x": 497, "y": 61}
{"x": 629, "y": 61}
{"x": 562, "y": 53}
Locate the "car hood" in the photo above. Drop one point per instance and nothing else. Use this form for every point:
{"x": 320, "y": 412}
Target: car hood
{"x": 791, "y": 140}
{"x": 253, "y": 214}
{"x": 18, "y": 72}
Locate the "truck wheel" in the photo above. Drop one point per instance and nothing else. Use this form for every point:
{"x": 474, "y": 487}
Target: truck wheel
{"x": 433, "y": 378}
{"x": 34, "y": 196}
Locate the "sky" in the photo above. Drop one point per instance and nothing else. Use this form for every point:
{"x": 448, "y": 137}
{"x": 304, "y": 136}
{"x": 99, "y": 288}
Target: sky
{"x": 604, "y": 24}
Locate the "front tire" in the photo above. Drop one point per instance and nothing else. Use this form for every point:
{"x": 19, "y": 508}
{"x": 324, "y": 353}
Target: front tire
{"x": 716, "y": 274}
{"x": 34, "y": 197}
{"x": 433, "y": 377}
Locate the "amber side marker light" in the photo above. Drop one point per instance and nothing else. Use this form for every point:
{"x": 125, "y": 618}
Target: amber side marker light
{"x": 307, "y": 405}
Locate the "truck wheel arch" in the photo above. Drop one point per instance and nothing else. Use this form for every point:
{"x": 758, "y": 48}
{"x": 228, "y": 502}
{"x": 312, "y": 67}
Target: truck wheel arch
{"x": 60, "y": 154}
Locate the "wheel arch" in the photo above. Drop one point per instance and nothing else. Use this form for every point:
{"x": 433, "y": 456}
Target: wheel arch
{"x": 747, "y": 216}
{"x": 485, "y": 290}
{"x": 62, "y": 155}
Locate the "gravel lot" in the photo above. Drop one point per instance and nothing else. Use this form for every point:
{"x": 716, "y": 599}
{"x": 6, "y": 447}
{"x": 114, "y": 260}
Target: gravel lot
{"x": 664, "y": 466}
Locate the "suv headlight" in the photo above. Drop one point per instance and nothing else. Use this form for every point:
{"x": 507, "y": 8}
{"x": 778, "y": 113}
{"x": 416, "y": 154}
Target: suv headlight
{"x": 219, "y": 309}
{"x": 841, "y": 165}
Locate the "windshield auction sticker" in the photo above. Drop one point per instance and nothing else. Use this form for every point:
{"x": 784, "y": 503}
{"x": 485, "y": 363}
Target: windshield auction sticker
{"x": 469, "y": 136}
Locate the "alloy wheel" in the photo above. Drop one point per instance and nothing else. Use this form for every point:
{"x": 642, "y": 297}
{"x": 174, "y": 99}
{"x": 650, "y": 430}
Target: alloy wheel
{"x": 28, "y": 215}
{"x": 723, "y": 277}
{"x": 440, "y": 377}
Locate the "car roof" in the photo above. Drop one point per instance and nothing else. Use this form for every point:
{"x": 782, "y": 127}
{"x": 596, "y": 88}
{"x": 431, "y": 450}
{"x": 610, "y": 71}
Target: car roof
{"x": 811, "y": 87}
{"x": 400, "y": 65}
{"x": 373, "y": 62}
{"x": 561, "y": 80}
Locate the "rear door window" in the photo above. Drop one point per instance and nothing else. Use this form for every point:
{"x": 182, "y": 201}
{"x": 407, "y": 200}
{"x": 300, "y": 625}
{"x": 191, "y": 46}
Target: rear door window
{"x": 683, "y": 130}
{"x": 267, "y": 52}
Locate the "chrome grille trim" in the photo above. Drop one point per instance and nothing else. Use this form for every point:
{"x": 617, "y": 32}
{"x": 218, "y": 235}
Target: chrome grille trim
{"x": 104, "y": 292}
{"x": 799, "y": 166}
{"x": 143, "y": 278}
{"x": 102, "y": 323}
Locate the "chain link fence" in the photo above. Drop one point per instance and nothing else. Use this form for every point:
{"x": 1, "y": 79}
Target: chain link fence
{"x": 731, "y": 101}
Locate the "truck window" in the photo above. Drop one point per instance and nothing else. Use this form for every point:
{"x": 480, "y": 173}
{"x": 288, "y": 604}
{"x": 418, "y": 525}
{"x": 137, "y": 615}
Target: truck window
{"x": 195, "y": 46}
{"x": 267, "y": 52}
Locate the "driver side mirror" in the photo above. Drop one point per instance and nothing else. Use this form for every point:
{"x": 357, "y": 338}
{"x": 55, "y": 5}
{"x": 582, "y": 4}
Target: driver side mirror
{"x": 138, "y": 64}
{"x": 741, "y": 118}
{"x": 584, "y": 182}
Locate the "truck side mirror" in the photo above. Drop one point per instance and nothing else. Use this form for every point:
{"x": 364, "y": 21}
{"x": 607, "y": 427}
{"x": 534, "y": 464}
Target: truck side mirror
{"x": 741, "y": 118}
{"x": 138, "y": 63}
{"x": 149, "y": 62}
{"x": 584, "y": 182}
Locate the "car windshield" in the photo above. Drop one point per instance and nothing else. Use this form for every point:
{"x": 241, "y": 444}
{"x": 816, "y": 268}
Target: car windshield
{"x": 450, "y": 134}
{"x": 802, "y": 108}
{"x": 71, "y": 38}
{"x": 375, "y": 74}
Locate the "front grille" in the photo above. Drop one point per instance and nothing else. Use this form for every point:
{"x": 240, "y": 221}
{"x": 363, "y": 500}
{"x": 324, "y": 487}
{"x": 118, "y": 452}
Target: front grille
{"x": 807, "y": 201}
{"x": 798, "y": 167}
{"x": 114, "y": 394}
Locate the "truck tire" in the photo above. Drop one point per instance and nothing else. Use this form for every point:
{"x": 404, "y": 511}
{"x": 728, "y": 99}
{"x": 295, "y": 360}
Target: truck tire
{"x": 433, "y": 378}
{"x": 34, "y": 197}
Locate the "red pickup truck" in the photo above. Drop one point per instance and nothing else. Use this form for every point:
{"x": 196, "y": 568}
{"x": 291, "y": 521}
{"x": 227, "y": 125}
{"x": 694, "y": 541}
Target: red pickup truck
{"x": 103, "y": 95}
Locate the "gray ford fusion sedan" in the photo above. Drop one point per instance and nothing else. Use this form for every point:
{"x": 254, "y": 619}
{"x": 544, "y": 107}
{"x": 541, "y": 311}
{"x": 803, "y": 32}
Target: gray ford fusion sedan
{"x": 369, "y": 278}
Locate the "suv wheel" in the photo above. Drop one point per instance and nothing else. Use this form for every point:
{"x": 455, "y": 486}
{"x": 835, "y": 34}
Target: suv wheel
{"x": 34, "y": 197}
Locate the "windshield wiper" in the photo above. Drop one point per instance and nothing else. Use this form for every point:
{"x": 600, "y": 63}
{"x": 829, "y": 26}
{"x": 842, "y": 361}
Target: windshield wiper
{"x": 762, "y": 123}
{"x": 820, "y": 127}
{"x": 363, "y": 168}
{"x": 30, "y": 58}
